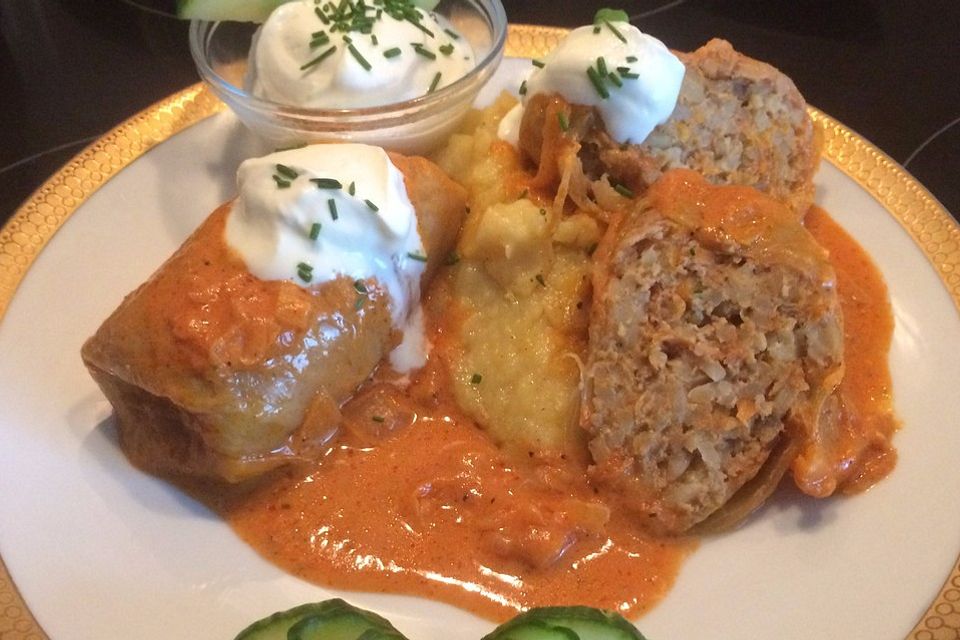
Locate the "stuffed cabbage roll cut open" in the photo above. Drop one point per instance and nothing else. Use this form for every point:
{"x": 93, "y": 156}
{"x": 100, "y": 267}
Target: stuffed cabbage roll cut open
{"x": 235, "y": 356}
{"x": 715, "y": 351}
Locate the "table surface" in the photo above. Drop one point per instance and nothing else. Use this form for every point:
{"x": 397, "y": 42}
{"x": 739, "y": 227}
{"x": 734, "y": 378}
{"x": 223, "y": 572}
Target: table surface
{"x": 70, "y": 70}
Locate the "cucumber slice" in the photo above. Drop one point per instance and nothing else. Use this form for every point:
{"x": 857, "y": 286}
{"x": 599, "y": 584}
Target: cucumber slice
{"x": 235, "y": 10}
{"x": 247, "y": 10}
{"x": 566, "y": 623}
{"x": 344, "y": 625}
{"x": 380, "y": 634}
{"x": 334, "y": 619}
{"x": 537, "y": 630}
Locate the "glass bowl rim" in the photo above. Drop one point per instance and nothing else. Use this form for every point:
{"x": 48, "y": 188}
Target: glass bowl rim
{"x": 200, "y": 31}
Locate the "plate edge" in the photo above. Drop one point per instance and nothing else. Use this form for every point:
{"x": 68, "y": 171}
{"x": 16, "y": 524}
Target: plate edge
{"x": 37, "y": 220}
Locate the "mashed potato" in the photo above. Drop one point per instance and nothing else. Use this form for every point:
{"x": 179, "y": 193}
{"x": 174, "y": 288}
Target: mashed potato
{"x": 520, "y": 291}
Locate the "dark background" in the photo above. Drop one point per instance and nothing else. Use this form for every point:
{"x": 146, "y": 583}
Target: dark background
{"x": 72, "y": 69}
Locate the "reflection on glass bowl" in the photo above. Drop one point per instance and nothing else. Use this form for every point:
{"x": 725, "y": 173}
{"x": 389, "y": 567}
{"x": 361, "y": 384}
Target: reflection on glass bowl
{"x": 220, "y": 51}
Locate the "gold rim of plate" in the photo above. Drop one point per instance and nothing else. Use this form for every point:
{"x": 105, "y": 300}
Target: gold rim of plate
{"x": 39, "y": 218}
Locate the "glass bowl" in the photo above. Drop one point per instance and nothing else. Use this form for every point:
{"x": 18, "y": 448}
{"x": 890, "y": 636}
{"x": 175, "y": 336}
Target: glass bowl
{"x": 220, "y": 51}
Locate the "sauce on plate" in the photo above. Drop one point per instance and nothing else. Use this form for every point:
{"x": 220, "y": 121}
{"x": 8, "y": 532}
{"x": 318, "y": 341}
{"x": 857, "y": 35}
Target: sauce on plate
{"x": 863, "y": 454}
{"x": 413, "y": 498}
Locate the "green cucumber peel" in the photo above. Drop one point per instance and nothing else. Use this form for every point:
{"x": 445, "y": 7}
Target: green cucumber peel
{"x": 380, "y": 634}
{"x": 337, "y": 615}
{"x": 610, "y": 15}
{"x": 537, "y": 630}
{"x": 345, "y": 625}
{"x": 585, "y": 623}
{"x": 233, "y": 10}
{"x": 247, "y": 10}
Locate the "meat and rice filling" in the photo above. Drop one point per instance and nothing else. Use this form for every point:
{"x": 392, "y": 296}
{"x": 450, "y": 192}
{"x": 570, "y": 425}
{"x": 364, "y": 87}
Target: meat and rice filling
{"x": 716, "y": 333}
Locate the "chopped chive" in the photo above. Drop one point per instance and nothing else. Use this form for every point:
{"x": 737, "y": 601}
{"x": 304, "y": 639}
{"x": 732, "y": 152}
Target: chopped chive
{"x": 286, "y": 172}
{"x": 377, "y": 418}
{"x": 326, "y": 183}
{"x": 426, "y": 53}
{"x": 419, "y": 257}
{"x": 373, "y": 40}
{"x": 623, "y": 190}
{"x": 281, "y": 183}
{"x": 332, "y": 205}
{"x": 315, "y": 230}
{"x": 626, "y": 73}
{"x": 372, "y": 206}
{"x": 446, "y": 49}
{"x": 434, "y": 83}
{"x": 592, "y": 248}
{"x": 318, "y": 34}
{"x": 601, "y": 66}
{"x": 359, "y": 303}
{"x": 359, "y": 58}
{"x": 417, "y": 24}
{"x": 562, "y": 119}
{"x": 320, "y": 58}
{"x": 543, "y": 212}
{"x": 537, "y": 63}
{"x": 352, "y": 189}
{"x": 476, "y": 378}
{"x": 596, "y": 29}
{"x": 615, "y": 79}
{"x": 319, "y": 41}
{"x": 540, "y": 279}
{"x": 597, "y": 81}
{"x": 452, "y": 34}
{"x": 360, "y": 287}
{"x": 393, "y": 52}
{"x": 452, "y": 258}
{"x": 323, "y": 18}
{"x": 616, "y": 31}
{"x": 305, "y": 272}
{"x": 631, "y": 58}
{"x": 523, "y": 88}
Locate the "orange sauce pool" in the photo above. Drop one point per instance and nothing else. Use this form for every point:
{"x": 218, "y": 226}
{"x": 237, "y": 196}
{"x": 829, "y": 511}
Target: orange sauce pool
{"x": 863, "y": 453}
{"x": 413, "y": 498}
{"x": 434, "y": 509}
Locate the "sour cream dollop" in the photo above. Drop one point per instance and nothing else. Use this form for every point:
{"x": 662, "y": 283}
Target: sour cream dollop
{"x": 300, "y": 58}
{"x": 312, "y": 214}
{"x": 642, "y": 95}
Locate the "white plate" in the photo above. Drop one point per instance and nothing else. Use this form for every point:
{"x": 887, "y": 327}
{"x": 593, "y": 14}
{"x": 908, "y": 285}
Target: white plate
{"x": 99, "y": 550}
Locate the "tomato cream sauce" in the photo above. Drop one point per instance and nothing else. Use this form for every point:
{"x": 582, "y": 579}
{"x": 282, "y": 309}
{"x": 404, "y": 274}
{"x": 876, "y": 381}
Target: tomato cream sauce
{"x": 411, "y": 497}
{"x": 863, "y": 452}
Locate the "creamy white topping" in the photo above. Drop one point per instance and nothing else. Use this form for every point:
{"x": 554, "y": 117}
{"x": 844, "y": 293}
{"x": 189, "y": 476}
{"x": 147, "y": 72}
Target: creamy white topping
{"x": 371, "y": 233}
{"x": 639, "y": 79}
{"x": 292, "y": 63}
{"x": 412, "y": 351}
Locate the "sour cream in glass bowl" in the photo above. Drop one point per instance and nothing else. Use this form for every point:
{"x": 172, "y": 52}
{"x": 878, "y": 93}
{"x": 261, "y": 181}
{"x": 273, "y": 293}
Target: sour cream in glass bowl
{"x": 399, "y": 79}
